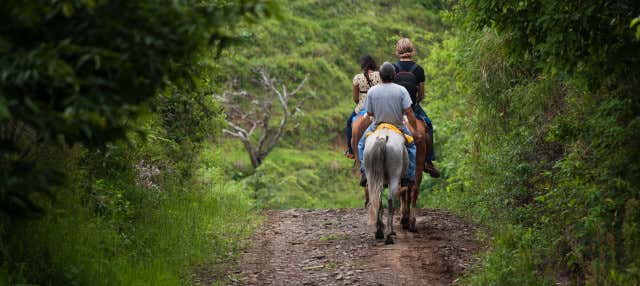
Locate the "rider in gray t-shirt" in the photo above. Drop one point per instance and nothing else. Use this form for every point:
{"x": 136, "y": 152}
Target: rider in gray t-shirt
{"x": 387, "y": 102}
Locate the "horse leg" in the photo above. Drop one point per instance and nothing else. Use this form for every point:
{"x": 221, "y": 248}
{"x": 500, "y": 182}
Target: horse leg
{"x": 404, "y": 208}
{"x": 421, "y": 155}
{"x": 412, "y": 220}
{"x": 390, "y": 232}
{"x": 413, "y": 201}
{"x": 366, "y": 197}
{"x": 421, "y": 151}
{"x": 355, "y": 139}
{"x": 358, "y": 127}
{"x": 379, "y": 224}
{"x": 394, "y": 185}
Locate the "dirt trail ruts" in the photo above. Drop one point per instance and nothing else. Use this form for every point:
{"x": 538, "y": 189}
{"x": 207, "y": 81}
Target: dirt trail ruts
{"x": 337, "y": 247}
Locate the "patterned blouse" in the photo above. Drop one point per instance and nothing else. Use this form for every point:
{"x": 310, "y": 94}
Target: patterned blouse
{"x": 361, "y": 82}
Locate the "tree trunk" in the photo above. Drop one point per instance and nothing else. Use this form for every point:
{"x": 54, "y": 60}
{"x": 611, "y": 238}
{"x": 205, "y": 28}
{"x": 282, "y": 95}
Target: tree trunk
{"x": 253, "y": 155}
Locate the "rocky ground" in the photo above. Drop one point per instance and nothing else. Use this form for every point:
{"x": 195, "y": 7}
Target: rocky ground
{"x": 337, "y": 247}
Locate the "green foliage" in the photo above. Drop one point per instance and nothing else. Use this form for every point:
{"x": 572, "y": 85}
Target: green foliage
{"x": 80, "y": 71}
{"x": 538, "y": 133}
{"x": 324, "y": 40}
{"x": 513, "y": 261}
{"x": 147, "y": 237}
{"x": 119, "y": 52}
{"x": 291, "y": 178}
{"x": 634, "y": 23}
{"x": 563, "y": 35}
{"x": 130, "y": 214}
{"x": 79, "y": 82}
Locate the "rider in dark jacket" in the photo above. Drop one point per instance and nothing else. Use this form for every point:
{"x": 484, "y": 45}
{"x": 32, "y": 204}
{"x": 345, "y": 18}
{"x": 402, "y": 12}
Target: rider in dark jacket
{"x": 405, "y": 52}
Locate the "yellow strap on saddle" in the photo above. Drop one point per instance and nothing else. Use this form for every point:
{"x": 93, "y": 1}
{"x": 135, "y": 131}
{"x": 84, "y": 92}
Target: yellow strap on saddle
{"x": 393, "y": 128}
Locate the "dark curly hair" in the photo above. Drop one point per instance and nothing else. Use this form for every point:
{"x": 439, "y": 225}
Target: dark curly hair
{"x": 367, "y": 63}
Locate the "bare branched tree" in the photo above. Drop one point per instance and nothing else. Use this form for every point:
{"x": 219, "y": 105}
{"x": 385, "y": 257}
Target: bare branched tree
{"x": 247, "y": 113}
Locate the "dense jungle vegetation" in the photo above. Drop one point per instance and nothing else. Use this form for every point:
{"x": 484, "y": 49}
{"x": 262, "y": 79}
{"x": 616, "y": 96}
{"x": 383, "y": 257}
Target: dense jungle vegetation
{"x": 115, "y": 169}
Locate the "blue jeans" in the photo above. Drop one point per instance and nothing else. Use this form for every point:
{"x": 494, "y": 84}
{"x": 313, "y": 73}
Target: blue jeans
{"x": 349, "y": 131}
{"x": 421, "y": 115}
{"x": 411, "y": 150}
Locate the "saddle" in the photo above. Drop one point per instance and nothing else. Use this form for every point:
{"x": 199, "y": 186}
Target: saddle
{"x": 408, "y": 138}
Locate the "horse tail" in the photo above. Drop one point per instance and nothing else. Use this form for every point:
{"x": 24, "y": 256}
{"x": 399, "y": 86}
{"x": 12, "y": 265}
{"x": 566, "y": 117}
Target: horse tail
{"x": 375, "y": 164}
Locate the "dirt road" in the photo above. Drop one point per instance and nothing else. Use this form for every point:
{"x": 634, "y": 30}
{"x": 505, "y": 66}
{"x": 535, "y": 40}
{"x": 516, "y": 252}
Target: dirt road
{"x": 337, "y": 247}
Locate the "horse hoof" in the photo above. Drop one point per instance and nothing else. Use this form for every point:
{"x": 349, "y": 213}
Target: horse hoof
{"x": 412, "y": 225}
{"x": 366, "y": 204}
{"x": 389, "y": 240}
{"x": 379, "y": 234}
{"x": 404, "y": 222}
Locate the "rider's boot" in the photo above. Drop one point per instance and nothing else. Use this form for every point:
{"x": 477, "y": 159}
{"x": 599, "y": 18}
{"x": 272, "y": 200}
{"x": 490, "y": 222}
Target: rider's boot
{"x": 363, "y": 180}
{"x": 431, "y": 169}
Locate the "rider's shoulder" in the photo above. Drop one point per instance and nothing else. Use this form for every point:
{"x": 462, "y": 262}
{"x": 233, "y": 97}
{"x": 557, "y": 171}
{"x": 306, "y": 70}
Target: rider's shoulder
{"x": 375, "y": 87}
{"x": 407, "y": 64}
{"x": 397, "y": 90}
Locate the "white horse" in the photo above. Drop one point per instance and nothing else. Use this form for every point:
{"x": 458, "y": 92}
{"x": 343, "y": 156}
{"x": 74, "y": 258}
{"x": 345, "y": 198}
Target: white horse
{"x": 385, "y": 161}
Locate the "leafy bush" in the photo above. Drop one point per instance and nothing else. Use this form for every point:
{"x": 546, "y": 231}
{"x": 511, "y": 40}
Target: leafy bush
{"x": 151, "y": 238}
{"x": 80, "y": 71}
{"x": 80, "y": 81}
{"x": 540, "y": 118}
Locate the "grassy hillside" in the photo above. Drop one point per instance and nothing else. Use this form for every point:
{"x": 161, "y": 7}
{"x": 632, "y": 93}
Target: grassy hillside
{"x": 323, "y": 40}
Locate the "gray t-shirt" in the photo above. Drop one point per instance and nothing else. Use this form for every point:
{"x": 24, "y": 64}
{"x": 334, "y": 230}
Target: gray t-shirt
{"x": 387, "y": 102}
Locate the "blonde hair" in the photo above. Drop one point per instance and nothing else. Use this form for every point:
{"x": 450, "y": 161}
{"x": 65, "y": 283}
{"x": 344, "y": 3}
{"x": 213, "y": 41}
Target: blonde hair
{"x": 404, "y": 48}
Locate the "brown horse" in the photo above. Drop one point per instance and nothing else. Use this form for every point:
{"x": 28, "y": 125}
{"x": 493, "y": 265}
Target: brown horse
{"x": 408, "y": 199}
{"x": 358, "y": 127}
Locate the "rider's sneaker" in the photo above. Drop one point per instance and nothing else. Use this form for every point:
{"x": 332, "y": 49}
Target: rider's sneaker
{"x": 406, "y": 182}
{"x": 431, "y": 169}
{"x": 363, "y": 181}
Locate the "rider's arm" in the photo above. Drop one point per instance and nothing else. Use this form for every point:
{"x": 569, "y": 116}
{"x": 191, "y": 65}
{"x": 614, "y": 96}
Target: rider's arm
{"x": 411, "y": 117}
{"x": 356, "y": 93}
{"x": 420, "y": 92}
{"x": 367, "y": 104}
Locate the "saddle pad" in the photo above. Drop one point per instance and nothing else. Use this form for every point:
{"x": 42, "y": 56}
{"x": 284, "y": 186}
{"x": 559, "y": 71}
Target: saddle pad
{"x": 393, "y": 128}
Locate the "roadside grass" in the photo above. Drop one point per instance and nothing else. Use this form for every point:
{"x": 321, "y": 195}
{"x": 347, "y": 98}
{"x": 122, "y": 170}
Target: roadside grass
{"x": 157, "y": 244}
{"x": 291, "y": 178}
